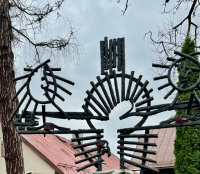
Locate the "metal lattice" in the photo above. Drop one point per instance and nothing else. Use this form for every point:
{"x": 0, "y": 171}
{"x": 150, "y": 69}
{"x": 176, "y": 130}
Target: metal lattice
{"x": 104, "y": 95}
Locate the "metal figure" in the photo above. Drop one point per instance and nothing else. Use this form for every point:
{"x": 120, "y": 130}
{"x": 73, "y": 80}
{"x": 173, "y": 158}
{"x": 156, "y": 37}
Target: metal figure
{"x": 182, "y": 120}
{"x": 103, "y": 97}
{"x": 47, "y": 71}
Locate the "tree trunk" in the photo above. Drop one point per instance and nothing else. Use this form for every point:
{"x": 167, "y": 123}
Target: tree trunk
{"x": 11, "y": 139}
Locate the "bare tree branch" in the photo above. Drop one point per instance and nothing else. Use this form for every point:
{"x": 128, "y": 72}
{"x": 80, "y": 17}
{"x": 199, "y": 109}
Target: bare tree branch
{"x": 41, "y": 12}
{"x": 171, "y": 35}
{"x": 123, "y": 11}
{"x": 31, "y": 25}
{"x": 126, "y": 6}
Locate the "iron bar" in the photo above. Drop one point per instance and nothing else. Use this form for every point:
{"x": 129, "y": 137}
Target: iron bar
{"x": 102, "y": 52}
{"x": 160, "y": 66}
{"x": 164, "y": 86}
{"x": 28, "y": 69}
{"x": 160, "y": 77}
{"x": 57, "y": 95}
{"x": 114, "y": 53}
{"x": 123, "y": 55}
{"x": 60, "y": 87}
{"x": 136, "y": 135}
{"x": 140, "y": 165}
{"x": 137, "y": 143}
{"x": 111, "y": 89}
{"x": 87, "y": 151}
{"x": 136, "y": 86}
{"x": 171, "y": 59}
{"x": 106, "y": 53}
{"x": 169, "y": 93}
{"x": 161, "y": 126}
{"x": 144, "y": 155}
{"x": 72, "y": 115}
{"x": 15, "y": 96}
{"x": 116, "y": 87}
{"x": 123, "y": 86}
{"x": 86, "y": 109}
{"x": 140, "y": 91}
{"x": 129, "y": 85}
{"x": 92, "y": 106}
{"x": 26, "y": 107}
{"x": 18, "y": 106}
{"x": 86, "y": 138}
{"x": 137, "y": 150}
{"x": 55, "y": 69}
{"x": 85, "y": 159}
{"x": 119, "y": 68}
{"x": 110, "y": 61}
{"x": 105, "y": 92}
{"x": 138, "y": 157}
{"x": 64, "y": 131}
{"x": 100, "y": 97}
{"x": 21, "y": 77}
{"x": 144, "y": 101}
{"x": 62, "y": 79}
{"x": 147, "y": 93}
{"x": 89, "y": 165}
{"x": 97, "y": 102}
{"x": 86, "y": 144}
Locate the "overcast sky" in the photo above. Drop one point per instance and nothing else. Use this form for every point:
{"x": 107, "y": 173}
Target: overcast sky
{"x": 94, "y": 20}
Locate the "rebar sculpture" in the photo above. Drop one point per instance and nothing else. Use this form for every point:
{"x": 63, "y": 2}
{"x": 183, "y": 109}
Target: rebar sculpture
{"x": 103, "y": 97}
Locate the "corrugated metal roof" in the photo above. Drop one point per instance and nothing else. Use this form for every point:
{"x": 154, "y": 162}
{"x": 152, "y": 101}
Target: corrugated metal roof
{"x": 164, "y": 150}
{"x": 59, "y": 153}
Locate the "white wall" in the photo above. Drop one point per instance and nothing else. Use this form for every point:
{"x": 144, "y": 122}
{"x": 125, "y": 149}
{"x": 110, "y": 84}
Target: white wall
{"x": 2, "y": 160}
{"x": 32, "y": 161}
{"x": 35, "y": 163}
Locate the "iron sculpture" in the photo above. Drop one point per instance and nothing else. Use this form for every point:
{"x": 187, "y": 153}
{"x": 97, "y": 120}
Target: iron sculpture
{"x": 103, "y": 97}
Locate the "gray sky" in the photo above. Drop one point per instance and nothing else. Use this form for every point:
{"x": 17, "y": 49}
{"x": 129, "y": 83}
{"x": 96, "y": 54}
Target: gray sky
{"x": 94, "y": 20}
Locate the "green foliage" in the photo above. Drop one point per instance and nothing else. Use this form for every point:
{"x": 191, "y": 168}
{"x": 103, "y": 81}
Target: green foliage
{"x": 187, "y": 151}
{"x": 189, "y": 78}
{"x": 188, "y": 46}
{"x": 187, "y": 142}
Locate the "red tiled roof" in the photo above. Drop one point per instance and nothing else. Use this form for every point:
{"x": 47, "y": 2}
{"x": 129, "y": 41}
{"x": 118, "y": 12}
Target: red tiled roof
{"x": 59, "y": 153}
{"x": 164, "y": 150}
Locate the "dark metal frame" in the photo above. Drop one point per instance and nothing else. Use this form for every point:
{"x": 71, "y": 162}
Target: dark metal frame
{"x": 101, "y": 100}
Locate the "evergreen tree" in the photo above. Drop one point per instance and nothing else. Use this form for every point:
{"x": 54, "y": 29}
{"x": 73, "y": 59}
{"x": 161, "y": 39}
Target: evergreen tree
{"x": 187, "y": 142}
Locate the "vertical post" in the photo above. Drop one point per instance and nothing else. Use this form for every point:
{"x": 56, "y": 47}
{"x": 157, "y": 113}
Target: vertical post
{"x": 121, "y": 155}
{"x": 110, "y": 57}
{"x": 123, "y": 54}
{"x": 43, "y": 114}
{"x": 99, "y": 168}
{"x": 106, "y": 53}
{"x": 114, "y": 53}
{"x": 119, "y": 54}
{"x": 102, "y": 53}
{"x": 123, "y": 68}
{"x": 145, "y": 148}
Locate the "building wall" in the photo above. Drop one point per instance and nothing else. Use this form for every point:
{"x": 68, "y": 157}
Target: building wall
{"x": 35, "y": 163}
{"x": 2, "y": 160}
{"x": 32, "y": 161}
